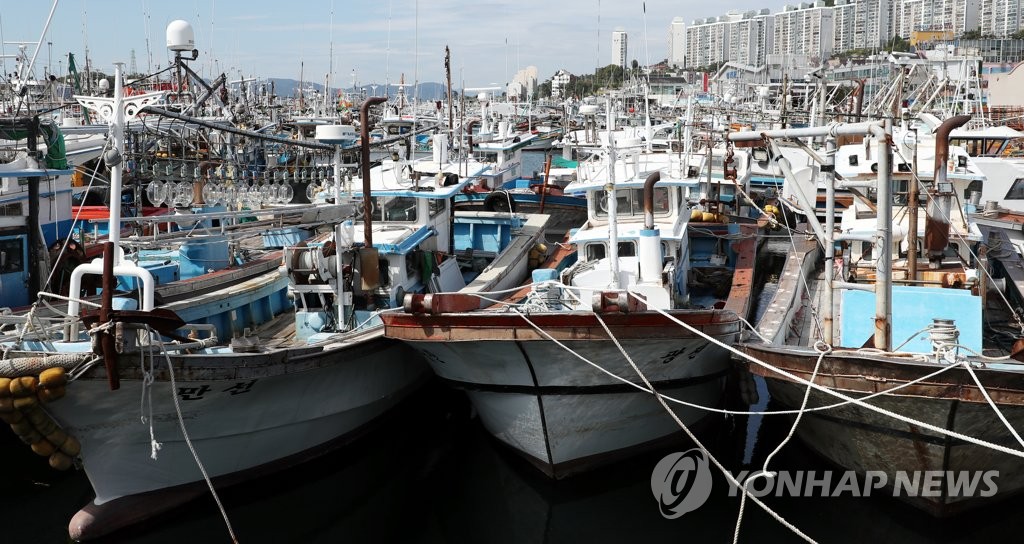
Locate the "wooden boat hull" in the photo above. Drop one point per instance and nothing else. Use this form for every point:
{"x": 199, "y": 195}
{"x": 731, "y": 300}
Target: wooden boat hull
{"x": 244, "y": 413}
{"x": 562, "y": 414}
{"x": 862, "y": 440}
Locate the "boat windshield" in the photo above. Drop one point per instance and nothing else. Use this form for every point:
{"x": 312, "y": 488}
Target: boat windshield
{"x": 987, "y": 147}
{"x": 393, "y": 208}
{"x": 630, "y": 202}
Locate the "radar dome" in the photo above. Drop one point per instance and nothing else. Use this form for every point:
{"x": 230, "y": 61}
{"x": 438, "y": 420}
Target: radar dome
{"x": 180, "y": 36}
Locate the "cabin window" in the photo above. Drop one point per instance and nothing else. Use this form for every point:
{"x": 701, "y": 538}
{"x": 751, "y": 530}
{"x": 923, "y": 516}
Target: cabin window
{"x": 11, "y": 253}
{"x": 436, "y": 206}
{"x": 595, "y": 252}
{"x": 630, "y": 202}
{"x": 1016, "y": 191}
{"x": 627, "y": 249}
{"x": 400, "y": 208}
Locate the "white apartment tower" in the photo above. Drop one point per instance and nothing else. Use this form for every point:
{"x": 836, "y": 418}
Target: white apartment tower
{"x": 1000, "y": 18}
{"x": 747, "y": 37}
{"x": 871, "y": 23}
{"x": 744, "y": 38}
{"x": 958, "y": 16}
{"x": 906, "y": 15}
{"x": 845, "y": 22}
{"x": 619, "y": 49}
{"x": 807, "y": 29}
{"x": 707, "y": 42}
{"x": 677, "y": 43}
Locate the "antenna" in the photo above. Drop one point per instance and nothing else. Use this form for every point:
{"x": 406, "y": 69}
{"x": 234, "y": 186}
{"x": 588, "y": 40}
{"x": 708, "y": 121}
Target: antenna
{"x": 132, "y": 68}
{"x": 149, "y": 48}
{"x": 387, "y": 57}
{"x": 330, "y": 69}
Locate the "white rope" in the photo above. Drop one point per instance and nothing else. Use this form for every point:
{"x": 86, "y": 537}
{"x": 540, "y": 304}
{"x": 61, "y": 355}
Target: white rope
{"x": 147, "y": 394}
{"x": 188, "y": 441}
{"x": 675, "y": 417}
{"x": 995, "y": 408}
{"x": 852, "y": 400}
{"x": 764, "y": 473}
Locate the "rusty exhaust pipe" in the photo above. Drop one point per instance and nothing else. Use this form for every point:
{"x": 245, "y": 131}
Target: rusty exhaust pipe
{"x": 653, "y": 178}
{"x": 936, "y": 227}
{"x": 364, "y": 161}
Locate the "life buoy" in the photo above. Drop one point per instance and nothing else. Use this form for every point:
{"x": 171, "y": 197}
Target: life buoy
{"x": 500, "y": 201}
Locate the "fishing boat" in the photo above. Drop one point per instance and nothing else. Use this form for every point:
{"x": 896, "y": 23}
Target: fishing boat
{"x": 27, "y": 184}
{"x": 553, "y": 376}
{"x": 890, "y": 316}
{"x": 222, "y": 404}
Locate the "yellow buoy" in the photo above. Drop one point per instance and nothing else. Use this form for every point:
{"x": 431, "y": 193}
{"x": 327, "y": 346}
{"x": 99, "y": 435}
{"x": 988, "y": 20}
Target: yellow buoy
{"x": 696, "y": 215}
{"x": 71, "y": 446}
{"x": 36, "y": 417}
{"x": 44, "y": 448}
{"x": 31, "y": 437}
{"x": 22, "y": 428}
{"x": 57, "y": 437}
{"x": 45, "y": 425}
{"x": 51, "y": 394}
{"x": 24, "y": 386}
{"x": 53, "y": 377}
{"x": 5, "y": 387}
{"x": 6, "y": 405}
{"x": 707, "y": 217}
{"x": 24, "y": 403}
{"x": 11, "y": 417}
{"x": 60, "y": 461}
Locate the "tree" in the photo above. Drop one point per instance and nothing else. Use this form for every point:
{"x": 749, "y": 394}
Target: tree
{"x": 971, "y": 35}
{"x": 544, "y": 89}
{"x": 1019, "y": 35}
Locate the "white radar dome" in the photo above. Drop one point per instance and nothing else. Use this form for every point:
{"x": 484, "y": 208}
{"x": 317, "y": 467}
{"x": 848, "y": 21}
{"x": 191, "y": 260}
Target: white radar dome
{"x": 180, "y": 36}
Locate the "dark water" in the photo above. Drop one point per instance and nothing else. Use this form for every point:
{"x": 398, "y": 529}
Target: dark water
{"x": 430, "y": 473}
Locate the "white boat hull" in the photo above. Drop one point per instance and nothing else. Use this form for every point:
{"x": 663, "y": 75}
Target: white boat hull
{"x": 566, "y": 416}
{"x": 244, "y": 414}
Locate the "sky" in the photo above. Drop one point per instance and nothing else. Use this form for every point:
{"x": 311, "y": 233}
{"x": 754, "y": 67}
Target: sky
{"x": 373, "y": 41}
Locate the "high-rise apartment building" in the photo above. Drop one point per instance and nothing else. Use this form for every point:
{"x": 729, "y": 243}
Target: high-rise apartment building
{"x": 807, "y": 29}
{"x": 677, "y": 42}
{"x": 619, "y": 48}
{"x": 1000, "y": 18}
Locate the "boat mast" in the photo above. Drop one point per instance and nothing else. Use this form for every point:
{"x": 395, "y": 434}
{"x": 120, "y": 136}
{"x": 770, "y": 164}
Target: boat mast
{"x": 613, "y": 226}
{"x": 883, "y": 243}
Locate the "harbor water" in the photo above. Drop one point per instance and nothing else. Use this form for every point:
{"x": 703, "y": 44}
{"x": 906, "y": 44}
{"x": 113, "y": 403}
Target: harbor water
{"x": 431, "y": 473}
